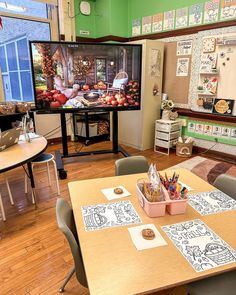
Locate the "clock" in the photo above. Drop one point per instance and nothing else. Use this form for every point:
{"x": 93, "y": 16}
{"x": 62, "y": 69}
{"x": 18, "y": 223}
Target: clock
{"x": 84, "y": 7}
{"x": 209, "y": 45}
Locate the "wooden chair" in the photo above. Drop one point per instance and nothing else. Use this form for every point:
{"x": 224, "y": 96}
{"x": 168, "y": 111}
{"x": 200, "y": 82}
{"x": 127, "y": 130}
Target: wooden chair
{"x": 119, "y": 82}
{"x": 131, "y": 165}
{"x": 10, "y": 197}
{"x": 66, "y": 223}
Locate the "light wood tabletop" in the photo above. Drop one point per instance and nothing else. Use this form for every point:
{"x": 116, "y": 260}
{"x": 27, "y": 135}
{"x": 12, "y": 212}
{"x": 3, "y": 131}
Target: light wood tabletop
{"x": 21, "y": 153}
{"x": 112, "y": 263}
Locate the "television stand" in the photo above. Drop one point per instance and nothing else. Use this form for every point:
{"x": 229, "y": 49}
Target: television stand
{"x": 59, "y": 157}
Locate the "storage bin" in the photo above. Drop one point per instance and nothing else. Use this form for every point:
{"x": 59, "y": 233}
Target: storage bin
{"x": 81, "y": 131}
{"x": 177, "y": 206}
{"x": 168, "y": 127}
{"x": 184, "y": 149}
{"x": 152, "y": 209}
{"x": 166, "y": 136}
{"x": 164, "y": 144}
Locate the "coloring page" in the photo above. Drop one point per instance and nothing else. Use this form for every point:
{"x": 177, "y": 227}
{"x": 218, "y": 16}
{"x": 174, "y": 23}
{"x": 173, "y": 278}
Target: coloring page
{"x": 195, "y": 14}
{"x": 201, "y": 247}
{"x": 211, "y": 202}
{"x": 108, "y": 215}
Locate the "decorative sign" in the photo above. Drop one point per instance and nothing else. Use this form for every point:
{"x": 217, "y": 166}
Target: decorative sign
{"x": 211, "y": 202}
{"x": 211, "y": 11}
{"x": 169, "y": 20}
{"x": 109, "y": 215}
{"x": 146, "y": 24}
{"x": 155, "y": 63}
{"x": 182, "y": 67}
{"x": 210, "y": 85}
{"x": 228, "y": 9}
{"x": 208, "y": 62}
{"x": 223, "y": 106}
{"x": 157, "y": 21}
{"x": 195, "y": 14}
{"x": 184, "y": 47}
{"x": 181, "y": 18}
{"x": 201, "y": 247}
{"x": 136, "y": 27}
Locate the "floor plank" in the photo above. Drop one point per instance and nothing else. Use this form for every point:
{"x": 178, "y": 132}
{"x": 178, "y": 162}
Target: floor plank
{"x": 34, "y": 255}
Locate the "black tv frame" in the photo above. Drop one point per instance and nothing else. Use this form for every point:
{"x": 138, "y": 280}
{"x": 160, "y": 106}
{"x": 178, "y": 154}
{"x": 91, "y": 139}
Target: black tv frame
{"x": 85, "y": 109}
{"x": 115, "y": 146}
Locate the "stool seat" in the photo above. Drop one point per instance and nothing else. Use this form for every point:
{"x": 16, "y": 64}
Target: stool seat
{"x": 43, "y": 158}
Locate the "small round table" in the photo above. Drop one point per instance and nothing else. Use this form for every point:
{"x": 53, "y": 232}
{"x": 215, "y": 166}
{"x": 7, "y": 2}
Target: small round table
{"x": 23, "y": 153}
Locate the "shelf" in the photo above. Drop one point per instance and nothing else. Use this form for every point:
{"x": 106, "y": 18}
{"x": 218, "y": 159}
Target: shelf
{"x": 209, "y": 73}
{"x": 206, "y": 94}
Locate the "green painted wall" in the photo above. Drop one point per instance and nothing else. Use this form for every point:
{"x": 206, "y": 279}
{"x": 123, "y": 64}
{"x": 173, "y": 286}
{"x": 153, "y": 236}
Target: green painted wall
{"x": 83, "y": 22}
{"x": 119, "y": 18}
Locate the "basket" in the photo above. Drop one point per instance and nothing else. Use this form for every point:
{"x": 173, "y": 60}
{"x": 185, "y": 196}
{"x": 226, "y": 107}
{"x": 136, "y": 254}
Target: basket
{"x": 184, "y": 149}
{"x": 7, "y": 108}
{"x": 23, "y": 107}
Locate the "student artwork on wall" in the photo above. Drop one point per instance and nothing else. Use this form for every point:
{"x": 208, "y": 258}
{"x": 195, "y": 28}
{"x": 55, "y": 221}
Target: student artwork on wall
{"x": 225, "y": 132}
{"x": 200, "y": 245}
{"x": 184, "y": 47}
{"x": 207, "y": 129}
{"x": 216, "y": 130}
{"x": 211, "y": 11}
{"x": 157, "y": 21}
{"x": 199, "y": 128}
{"x": 181, "y": 20}
{"x": 223, "y": 106}
{"x": 169, "y": 18}
{"x": 146, "y": 24}
{"x": 191, "y": 126}
{"x": 233, "y": 133}
{"x": 228, "y": 9}
{"x": 208, "y": 62}
{"x": 182, "y": 67}
{"x": 195, "y": 14}
{"x": 136, "y": 27}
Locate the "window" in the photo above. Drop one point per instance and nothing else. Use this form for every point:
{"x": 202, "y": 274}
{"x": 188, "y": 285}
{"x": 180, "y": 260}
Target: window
{"x": 100, "y": 69}
{"x": 32, "y": 23}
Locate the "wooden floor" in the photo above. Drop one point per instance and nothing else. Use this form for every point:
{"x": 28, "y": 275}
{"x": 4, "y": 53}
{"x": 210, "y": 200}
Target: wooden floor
{"x": 34, "y": 255}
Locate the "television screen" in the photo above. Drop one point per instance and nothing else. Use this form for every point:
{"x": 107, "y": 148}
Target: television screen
{"x": 84, "y": 77}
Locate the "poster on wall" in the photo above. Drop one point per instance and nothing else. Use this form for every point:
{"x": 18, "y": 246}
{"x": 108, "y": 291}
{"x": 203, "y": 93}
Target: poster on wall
{"x": 157, "y": 21}
{"x": 184, "y": 47}
{"x": 228, "y": 9}
{"x": 211, "y": 11}
{"x": 195, "y": 14}
{"x": 208, "y": 62}
{"x": 146, "y": 24}
{"x": 216, "y": 130}
{"x": 182, "y": 67}
{"x": 136, "y": 27}
{"x": 181, "y": 20}
{"x": 223, "y": 106}
{"x": 169, "y": 20}
{"x": 155, "y": 63}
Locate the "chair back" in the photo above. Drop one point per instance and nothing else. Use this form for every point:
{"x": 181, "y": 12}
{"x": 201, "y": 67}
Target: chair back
{"x": 120, "y": 79}
{"x": 131, "y": 165}
{"x": 227, "y": 184}
{"x": 66, "y": 223}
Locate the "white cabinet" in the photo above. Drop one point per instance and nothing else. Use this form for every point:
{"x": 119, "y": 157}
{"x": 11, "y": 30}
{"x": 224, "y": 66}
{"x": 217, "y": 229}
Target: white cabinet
{"x": 166, "y": 135}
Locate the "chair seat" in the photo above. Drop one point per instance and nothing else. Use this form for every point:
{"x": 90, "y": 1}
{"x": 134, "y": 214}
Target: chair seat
{"x": 43, "y": 158}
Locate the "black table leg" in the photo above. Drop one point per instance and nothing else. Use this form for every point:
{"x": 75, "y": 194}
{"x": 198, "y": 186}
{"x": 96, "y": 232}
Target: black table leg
{"x": 31, "y": 177}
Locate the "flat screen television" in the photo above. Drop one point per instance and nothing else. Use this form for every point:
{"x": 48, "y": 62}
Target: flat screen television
{"x": 86, "y": 76}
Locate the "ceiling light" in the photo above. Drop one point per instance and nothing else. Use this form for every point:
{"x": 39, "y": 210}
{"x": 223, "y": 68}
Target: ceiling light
{"x": 12, "y": 7}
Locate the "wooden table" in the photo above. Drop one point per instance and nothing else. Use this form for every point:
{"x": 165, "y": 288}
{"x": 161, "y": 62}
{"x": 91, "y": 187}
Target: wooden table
{"x": 112, "y": 263}
{"x": 22, "y": 153}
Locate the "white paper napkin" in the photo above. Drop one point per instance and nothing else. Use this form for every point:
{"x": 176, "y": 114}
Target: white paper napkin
{"x": 110, "y": 195}
{"x": 185, "y": 185}
{"x": 138, "y": 240}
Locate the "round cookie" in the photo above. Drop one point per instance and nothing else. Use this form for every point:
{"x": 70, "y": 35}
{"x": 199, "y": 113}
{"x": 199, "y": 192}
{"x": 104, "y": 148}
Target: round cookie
{"x": 118, "y": 190}
{"x": 148, "y": 234}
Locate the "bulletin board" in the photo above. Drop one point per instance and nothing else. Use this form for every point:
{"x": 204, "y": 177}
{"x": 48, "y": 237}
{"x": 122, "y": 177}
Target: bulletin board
{"x": 176, "y": 87}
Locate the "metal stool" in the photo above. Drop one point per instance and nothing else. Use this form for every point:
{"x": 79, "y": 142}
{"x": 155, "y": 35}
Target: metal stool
{"x": 44, "y": 158}
{"x": 10, "y": 197}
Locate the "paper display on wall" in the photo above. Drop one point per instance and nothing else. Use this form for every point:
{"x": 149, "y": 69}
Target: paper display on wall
{"x": 208, "y": 129}
{"x": 146, "y": 24}
{"x": 228, "y": 9}
{"x": 216, "y": 130}
{"x": 211, "y": 12}
{"x": 136, "y": 27}
{"x": 233, "y": 133}
{"x": 182, "y": 67}
{"x": 199, "y": 128}
{"x": 181, "y": 20}
{"x": 191, "y": 126}
{"x": 157, "y": 21}
{"x": 208, "y": 62}
{"x": 155, "y": 63}
{"x": 201, "y": 247}
{"x": 195, "y": 14}
{"x": 184, "y": 47}
{"x": 169, "y": 18}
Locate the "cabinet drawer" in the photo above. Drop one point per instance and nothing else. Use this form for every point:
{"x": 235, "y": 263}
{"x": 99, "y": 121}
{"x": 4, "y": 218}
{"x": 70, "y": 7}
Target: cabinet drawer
{"x": 165, "y": 144}
{"x": 167, "y": 136}
{"x": 167, "y": 127}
